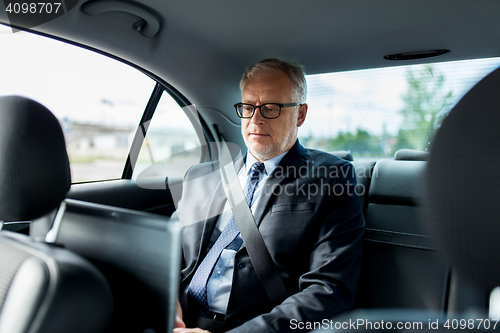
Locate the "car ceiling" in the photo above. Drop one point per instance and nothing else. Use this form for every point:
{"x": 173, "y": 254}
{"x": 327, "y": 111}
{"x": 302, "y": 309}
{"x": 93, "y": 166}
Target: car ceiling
{"x": 203, "y": 46}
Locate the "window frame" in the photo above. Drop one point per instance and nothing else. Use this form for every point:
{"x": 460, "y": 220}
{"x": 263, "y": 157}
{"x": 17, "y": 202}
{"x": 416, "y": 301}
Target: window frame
{"x": 160, "y": 87}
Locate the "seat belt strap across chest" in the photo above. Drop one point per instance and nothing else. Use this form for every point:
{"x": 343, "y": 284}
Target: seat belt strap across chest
{"x": 257, "y": 251}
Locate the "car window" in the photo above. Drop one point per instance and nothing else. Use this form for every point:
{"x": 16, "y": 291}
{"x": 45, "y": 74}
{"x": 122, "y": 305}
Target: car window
{"x": 375, "y": 112}
{"x": 99, "y": 102}
{"x": 171, "y": 145}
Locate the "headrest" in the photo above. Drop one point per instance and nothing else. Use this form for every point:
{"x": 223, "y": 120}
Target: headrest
{"x": 34, "y": 166}
{"x": 463, "y": 183}
{"x": 411, "y": 155}
{"x": 344, "y": 154}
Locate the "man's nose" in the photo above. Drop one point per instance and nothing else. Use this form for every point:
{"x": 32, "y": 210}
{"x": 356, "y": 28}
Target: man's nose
{"x": 257, "y": 116}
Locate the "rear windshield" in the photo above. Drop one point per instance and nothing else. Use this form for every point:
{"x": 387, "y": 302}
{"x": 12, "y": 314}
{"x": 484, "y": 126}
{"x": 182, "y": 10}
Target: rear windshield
{"x": 375, "y": 112}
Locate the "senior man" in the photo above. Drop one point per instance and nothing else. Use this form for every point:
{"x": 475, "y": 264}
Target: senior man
{"x": 304, "y": 204}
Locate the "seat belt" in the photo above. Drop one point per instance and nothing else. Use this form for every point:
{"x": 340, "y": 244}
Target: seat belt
{"x": 257, "y": 251}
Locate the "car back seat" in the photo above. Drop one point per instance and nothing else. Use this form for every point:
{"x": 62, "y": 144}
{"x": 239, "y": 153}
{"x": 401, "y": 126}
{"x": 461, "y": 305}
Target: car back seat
{"x": 364, "y": 170}
{"x": 461, "y": 210}
{"x": 401, "y": 266}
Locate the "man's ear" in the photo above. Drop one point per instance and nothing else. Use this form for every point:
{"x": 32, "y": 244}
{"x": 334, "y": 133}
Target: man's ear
{"x": 301, "y": 114}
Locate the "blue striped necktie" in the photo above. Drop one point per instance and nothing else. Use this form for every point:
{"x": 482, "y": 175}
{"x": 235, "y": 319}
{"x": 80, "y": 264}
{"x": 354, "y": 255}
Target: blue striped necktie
{"x": 197, "y": 290}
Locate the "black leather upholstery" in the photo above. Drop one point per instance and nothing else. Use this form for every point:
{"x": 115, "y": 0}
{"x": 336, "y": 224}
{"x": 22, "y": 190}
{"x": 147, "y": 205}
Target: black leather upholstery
{"x": 463, "y": 183}
{"x": 344, "y": 154}
{"x": 462, "y": 210}
{"x": 397, "y": 182}
{"x": 364, "y": 170}
{"x": 34, "y": 167}
{"x": 411, "y": 155}
{"x": 47, "y": 289}
{"x": 43, "y": 287}
{"x": 401, "y": 267}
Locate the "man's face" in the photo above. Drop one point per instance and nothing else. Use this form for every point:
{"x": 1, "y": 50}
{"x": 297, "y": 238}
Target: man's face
{"x": 268, "y": 138}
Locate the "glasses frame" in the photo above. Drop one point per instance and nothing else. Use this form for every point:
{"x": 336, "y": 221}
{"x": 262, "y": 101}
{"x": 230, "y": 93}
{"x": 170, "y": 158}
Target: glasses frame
{"x": 260, "y": 109}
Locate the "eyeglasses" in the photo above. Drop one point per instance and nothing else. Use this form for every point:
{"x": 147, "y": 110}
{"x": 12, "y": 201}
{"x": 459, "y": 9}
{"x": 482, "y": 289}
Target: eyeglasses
{"x": 268, "y": 110}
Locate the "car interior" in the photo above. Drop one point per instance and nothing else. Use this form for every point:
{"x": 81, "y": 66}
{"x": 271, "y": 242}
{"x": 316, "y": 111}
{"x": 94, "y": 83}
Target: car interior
{"x": 88, "y": 238}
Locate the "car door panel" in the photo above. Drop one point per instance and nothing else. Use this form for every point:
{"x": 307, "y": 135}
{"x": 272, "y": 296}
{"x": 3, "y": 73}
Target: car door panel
{"x": 125, "y": 193}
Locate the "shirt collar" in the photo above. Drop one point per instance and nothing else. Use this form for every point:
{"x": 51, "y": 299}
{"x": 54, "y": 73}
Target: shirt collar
{"x": 270, "y": 164}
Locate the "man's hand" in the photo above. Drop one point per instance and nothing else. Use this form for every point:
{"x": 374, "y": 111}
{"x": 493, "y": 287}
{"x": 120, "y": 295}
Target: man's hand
{"x": 180, "y": 327}
{"x": 189, "y": 330}
{"x": 179, "y": 323}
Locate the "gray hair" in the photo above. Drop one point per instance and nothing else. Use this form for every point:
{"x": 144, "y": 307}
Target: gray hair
{"x": 294, "y": 71}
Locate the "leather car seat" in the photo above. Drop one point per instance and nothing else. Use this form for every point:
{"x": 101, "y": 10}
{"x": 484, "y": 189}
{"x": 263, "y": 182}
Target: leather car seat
{"x": 462, "y": 208}
{"x": 43, "y": 287}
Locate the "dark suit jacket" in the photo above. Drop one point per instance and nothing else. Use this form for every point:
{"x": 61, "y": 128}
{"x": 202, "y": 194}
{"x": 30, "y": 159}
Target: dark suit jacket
{"x": 312, "y": 225}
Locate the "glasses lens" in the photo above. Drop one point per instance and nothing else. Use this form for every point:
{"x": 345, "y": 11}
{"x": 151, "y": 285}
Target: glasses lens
{"x": 271, "y": 110}
{"x": 244, "y": 110}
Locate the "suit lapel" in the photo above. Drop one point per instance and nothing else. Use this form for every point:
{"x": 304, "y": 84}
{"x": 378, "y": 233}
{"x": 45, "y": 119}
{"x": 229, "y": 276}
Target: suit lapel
{"x": 217, "y": 203}
{"x": 288, "y": 167}
{"x": 205, "y": 229}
